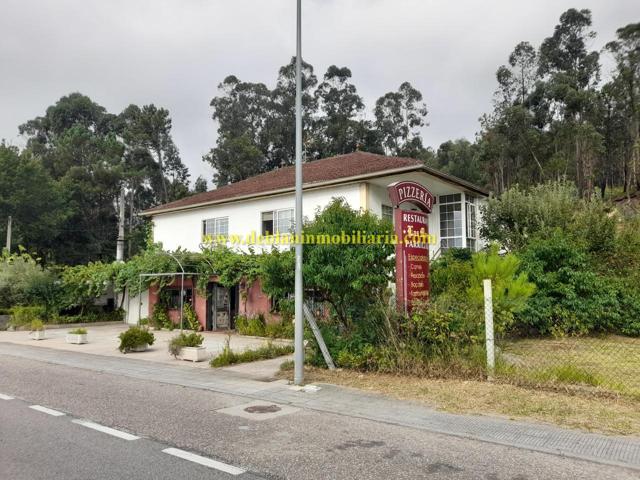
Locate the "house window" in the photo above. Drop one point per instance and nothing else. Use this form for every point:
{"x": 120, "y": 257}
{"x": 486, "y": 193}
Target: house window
{"x": 387, "y": 213}
{"x": 277, "y": 221}
{"x": 472, "y": 222}
{"x": 450, "y": 221}
{"x": 171, "y": 297}
{"x": 216, "y": 227}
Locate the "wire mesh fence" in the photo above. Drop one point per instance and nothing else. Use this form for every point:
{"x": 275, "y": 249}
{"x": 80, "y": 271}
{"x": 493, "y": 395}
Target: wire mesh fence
{"x": 602, "y": 364}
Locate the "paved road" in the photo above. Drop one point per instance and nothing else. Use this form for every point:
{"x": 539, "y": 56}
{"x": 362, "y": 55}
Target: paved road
{"x": 37, "y": 444}
{"x": 304, "y": 444}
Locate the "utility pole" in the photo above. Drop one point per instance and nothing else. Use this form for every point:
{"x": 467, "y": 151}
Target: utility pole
{"x": 298, "y": 358}
{"x": 120, "y": 241}
{"x": 9, "y": 234}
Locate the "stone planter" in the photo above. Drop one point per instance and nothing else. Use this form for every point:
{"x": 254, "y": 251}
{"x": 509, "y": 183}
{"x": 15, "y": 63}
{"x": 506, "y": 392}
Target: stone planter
{"x": 139, "y": 348}
{"x": 37, "y": 335}
{"x": 193, "y": 354}
{"x": 76, "y": 338}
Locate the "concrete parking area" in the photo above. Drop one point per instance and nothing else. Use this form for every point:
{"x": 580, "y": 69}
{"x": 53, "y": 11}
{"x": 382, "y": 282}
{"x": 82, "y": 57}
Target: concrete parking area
{"x": 103, "y": 340}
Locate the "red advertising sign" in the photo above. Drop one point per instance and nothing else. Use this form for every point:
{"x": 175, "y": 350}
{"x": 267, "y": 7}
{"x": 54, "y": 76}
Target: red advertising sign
{"x": 412, "y": 258}
{"x": 412, "y": 249}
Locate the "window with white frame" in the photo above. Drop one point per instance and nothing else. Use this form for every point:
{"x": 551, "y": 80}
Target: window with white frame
{"x": 216, "y": 227}
{"x": 387, "y": 213}
{"x": 471, "y": 204}
{"x": 277, "y": 221}
{"x": 450, "y": 221}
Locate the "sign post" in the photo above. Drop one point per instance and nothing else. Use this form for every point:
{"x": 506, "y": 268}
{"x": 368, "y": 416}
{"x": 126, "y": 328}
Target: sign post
{"x": 412, "y": 248}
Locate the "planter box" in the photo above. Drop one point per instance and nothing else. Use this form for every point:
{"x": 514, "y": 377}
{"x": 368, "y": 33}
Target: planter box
{"x": 37, "y": 335}
{"x": 139, "y": 348}
{"x": 76, "y": 338}
{"x": 194, "y": 354}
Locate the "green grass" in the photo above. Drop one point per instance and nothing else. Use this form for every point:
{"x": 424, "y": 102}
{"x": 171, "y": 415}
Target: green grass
{"x": 610, "y": 363}
{"x": 229, "y": 357}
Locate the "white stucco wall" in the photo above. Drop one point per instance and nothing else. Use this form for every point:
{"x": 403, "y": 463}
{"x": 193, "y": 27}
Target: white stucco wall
{"x": 132, "y": 305}
{"x": 184, "y": 229}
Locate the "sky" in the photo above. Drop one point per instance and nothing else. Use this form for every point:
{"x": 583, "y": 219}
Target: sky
{"x": 174, "y": 53}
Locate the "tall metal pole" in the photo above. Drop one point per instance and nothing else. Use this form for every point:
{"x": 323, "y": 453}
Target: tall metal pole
{"x": 9, "y": 234}
{"x": 298, "y": 358}
{"x": 120, "y": 241}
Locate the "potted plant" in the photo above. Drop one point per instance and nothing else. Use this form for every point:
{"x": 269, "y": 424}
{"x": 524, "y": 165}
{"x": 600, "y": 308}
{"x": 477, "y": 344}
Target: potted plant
{"x": 37, "y": 330}
{"x": 135, "y": 339}
{"x": 77, "y": 336}
{"x": 188, "y": 346}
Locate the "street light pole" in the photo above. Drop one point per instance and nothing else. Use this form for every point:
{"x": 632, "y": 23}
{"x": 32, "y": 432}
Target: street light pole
{"x": 298, "y": 359}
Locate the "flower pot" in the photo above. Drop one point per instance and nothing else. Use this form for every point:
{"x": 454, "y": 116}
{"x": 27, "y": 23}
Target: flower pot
{"x": 76, "y": 338}
{"x": 139, "y": 348}
{"x": 193, "y": 354}
{"x": 37, "y": 335}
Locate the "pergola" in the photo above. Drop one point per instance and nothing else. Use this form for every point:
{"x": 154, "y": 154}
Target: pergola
{"x": 181, "y": 273}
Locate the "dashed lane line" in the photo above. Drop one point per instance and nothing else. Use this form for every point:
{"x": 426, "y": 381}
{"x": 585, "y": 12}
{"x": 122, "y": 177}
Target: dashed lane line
{"x": 207, "y": 462}
{"x": 5, "y": 397}
{"x": 48, "y": 411}
{"x": 107, "y": 430}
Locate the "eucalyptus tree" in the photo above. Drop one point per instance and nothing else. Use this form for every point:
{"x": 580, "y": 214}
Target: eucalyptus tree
{"x": 398, "y": 119}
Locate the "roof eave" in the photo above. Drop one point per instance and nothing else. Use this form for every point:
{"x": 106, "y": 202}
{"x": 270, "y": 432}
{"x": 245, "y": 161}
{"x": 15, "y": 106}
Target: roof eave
{"x": 383, "y": 173}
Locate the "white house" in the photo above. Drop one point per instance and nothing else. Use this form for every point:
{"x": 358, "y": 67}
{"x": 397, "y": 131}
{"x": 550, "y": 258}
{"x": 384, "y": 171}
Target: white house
{"x": 264, "y": 204}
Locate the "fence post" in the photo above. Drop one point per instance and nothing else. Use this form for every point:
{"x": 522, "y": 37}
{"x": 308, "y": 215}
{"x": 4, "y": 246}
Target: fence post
{"x": 488, "y": 327}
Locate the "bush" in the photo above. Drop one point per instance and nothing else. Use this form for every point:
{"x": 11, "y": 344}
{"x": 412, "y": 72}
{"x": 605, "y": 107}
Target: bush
{"x": 229, "y": 357}
{"x": 21, "y": 316}
{"x": 184, "y": 340}
{"x": 253, "y": 326}
{"x": 191, "y": 318}
{"x": 571, "y": 298}
{"x": 282, "y": 329}
{"x": 135, "y": 337}
{"x": 160, "y": 318}
{"x": 78, "y": 331}
{"x": 37, "y": 325}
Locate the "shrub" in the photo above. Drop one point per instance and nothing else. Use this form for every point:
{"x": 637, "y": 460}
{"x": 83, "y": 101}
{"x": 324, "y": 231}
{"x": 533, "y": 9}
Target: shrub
{"x": 347, "y": 277}
{"x": 282, "y": 329}
{"x": 160, "y": 318}
{"x": 191, "y": 318}
{"x": 184, "y": 340}
{"x": 78, "y": 331}
{"x": 229, "y": 357}
{"x": 135, "y": 337}
{"x": 571, "y": 298}
{"x": 21, "y": 316}
{"x": 253, "y": 326}
{"x": 37, "y": 325}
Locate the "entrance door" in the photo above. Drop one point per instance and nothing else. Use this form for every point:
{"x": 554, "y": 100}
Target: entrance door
{"x": 219, "y": 311}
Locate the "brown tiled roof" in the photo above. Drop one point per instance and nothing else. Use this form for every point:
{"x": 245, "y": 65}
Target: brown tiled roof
{"x": 318, "y": 171}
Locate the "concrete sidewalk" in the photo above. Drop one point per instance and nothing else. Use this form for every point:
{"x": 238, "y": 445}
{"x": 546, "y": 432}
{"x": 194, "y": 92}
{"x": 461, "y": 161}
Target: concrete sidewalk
{"x": 620, "y": 451}
{"x": 103, "y": 340}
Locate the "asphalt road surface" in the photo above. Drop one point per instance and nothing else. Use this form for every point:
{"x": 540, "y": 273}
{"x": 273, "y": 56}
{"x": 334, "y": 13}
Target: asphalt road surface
{"x": 304, "y": 444}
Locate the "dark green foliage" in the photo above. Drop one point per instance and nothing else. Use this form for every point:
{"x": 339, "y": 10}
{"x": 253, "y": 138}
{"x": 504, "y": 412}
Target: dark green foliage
{"x": 135, "y": 337}
{"x": 571, "y": 297}
{"x": 184, "y": 340}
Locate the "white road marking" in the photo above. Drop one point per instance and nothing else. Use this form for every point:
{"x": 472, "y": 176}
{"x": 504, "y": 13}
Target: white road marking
{"x": 46, "y": 410}
{"x": 207, "y": 462}
{"x": 107, "y": 430}
{"x": 5, "y": 397}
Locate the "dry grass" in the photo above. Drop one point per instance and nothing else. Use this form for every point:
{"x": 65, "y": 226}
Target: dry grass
{"x": 612, "y": 415}
{"x": 609, "y": 363}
